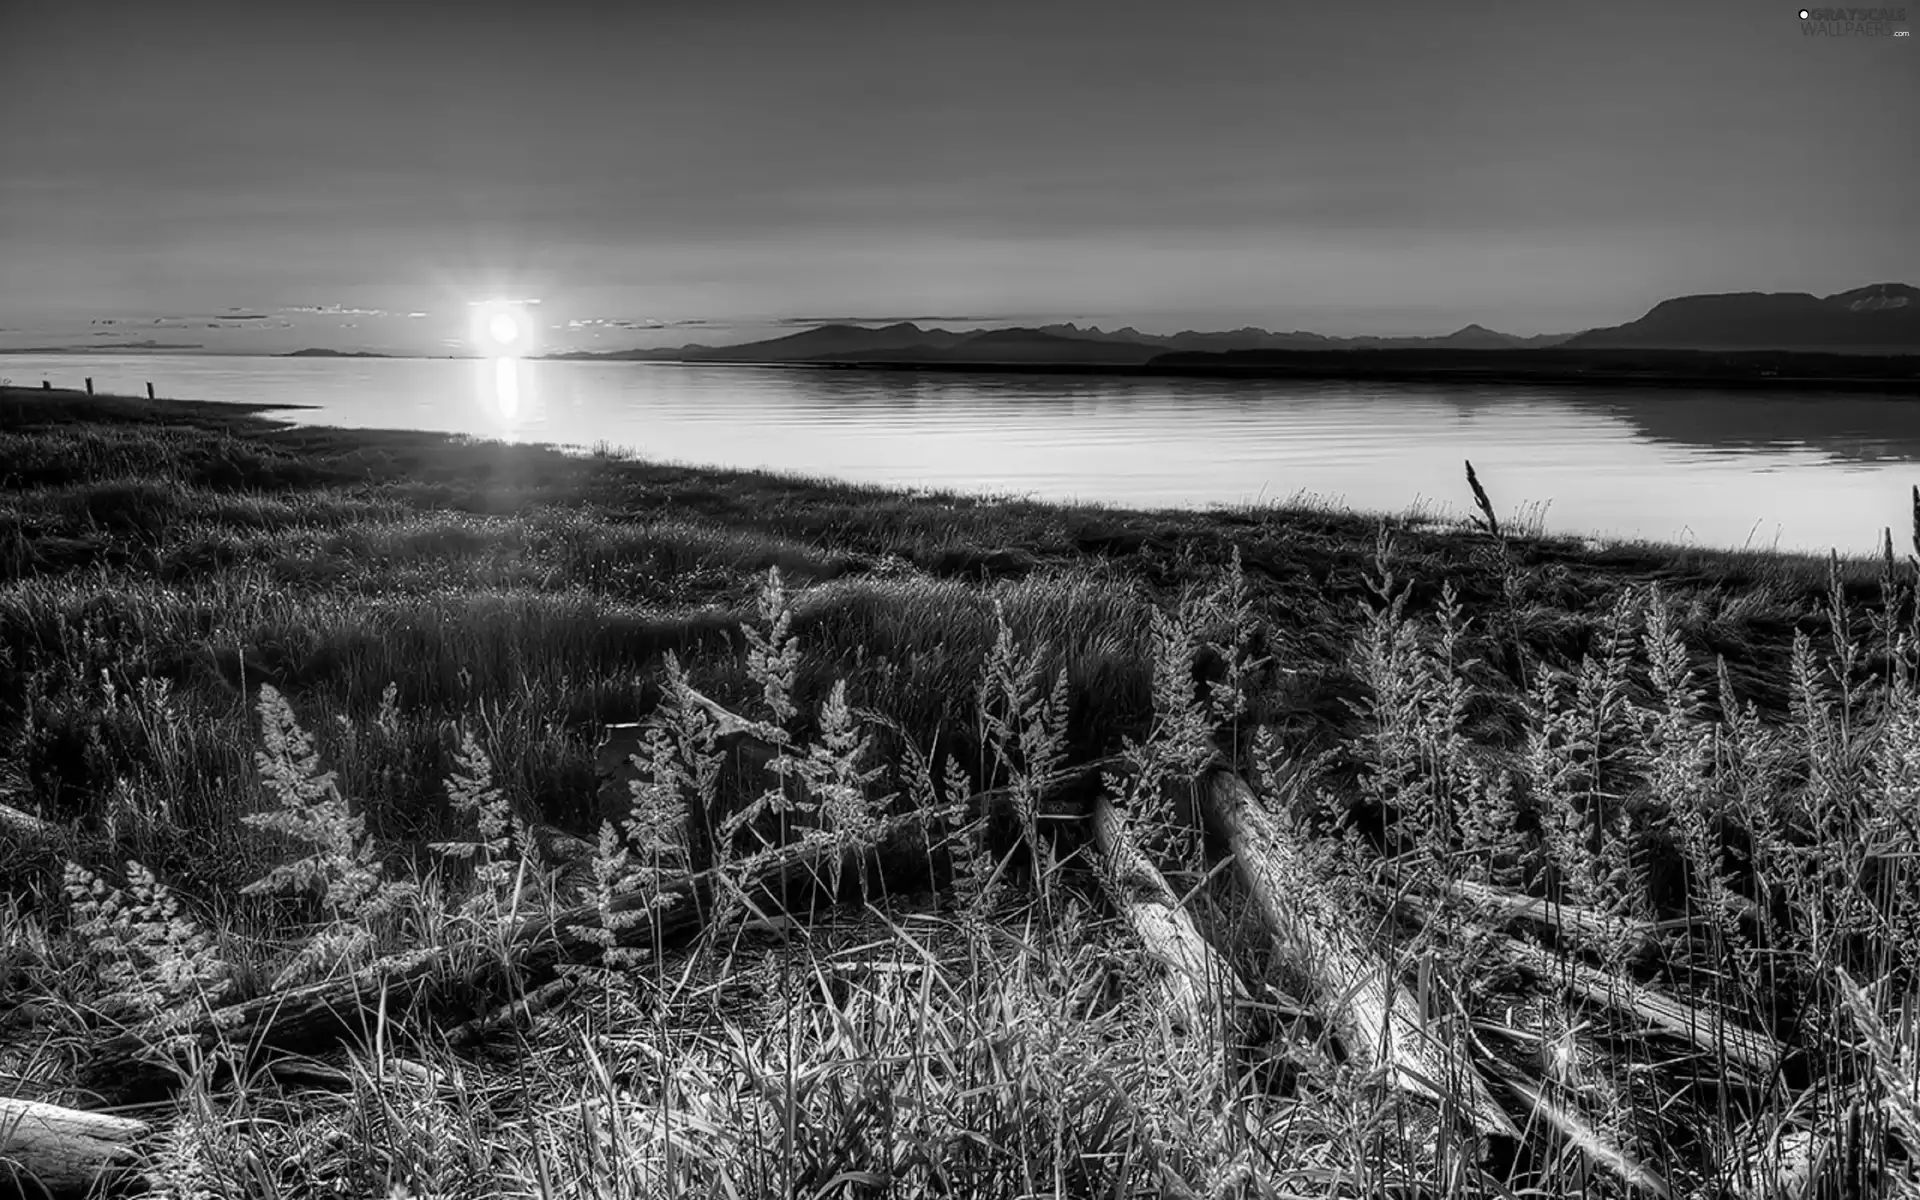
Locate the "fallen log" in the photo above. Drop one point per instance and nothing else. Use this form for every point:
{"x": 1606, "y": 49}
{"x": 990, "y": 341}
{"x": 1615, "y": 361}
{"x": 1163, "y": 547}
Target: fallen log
{"x": 63, "y": 1150}
{"x": 1590, "y": 1142}
{"x": 1354, "y": 990}
{"x": 1590, "y": 926}
{"x": 1708, "y": 1030}
{"x": 27, "y": 827}
{"x": 141, "y": 1063}
{"x": 1193, "y": 977}
{"x": 1785, "y": 1165}
{"x": 513, "y": 1014}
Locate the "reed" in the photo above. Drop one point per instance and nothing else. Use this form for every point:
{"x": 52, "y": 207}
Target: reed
{"x": 843, "y": 928}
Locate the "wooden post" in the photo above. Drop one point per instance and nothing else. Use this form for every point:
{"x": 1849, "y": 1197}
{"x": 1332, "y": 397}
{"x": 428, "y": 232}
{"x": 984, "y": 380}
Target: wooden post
{"x": 149, "y": 389}
{"x": 89, "y": 385}
{"x": 46, "y": 385}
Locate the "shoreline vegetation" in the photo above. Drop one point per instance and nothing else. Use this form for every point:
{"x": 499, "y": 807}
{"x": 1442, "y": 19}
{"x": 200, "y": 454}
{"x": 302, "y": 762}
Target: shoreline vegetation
{"x": 388, "y": 813}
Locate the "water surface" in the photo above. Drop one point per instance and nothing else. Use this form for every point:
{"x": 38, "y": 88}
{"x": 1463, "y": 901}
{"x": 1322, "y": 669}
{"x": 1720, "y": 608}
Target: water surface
{"x": 1731, "y": 468}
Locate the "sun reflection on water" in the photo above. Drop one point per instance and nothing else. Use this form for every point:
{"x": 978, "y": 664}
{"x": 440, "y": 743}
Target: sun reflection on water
{"x": 499, "y": 393}
{"x": 506, "y": 386}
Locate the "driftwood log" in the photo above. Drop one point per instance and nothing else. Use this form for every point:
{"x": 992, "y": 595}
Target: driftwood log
{"x": 1355, "y": 991}
{"x": 1785, "y": 1163}
{"x": 1702, "y": 1027}
{"x": 28, "y": 828}
{"x": 512, "y": 1014}
{"x": 64, "y": 1151}
{"x": 140, "y": 1063}
{"x": 1590, "y": 1142}
{"x": 1194, "y": 979}
{"x": 1589, "y": 926}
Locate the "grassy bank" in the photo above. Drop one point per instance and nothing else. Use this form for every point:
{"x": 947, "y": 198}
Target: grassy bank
{"x": 1719, "y": 748}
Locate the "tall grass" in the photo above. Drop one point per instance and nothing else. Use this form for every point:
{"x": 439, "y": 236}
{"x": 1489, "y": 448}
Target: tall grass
{"x": 356, "y": 736}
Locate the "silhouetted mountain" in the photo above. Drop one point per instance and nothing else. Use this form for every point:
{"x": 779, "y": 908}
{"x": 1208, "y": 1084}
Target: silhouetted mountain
{"x": 1882, "y": 318}
{"x": 319, "y": 352}
{"x": 1473, "y": 337}
{"x": 1064, "y": 344}
{"x": 1008, "y": 346}
{"x": 830, "y": 340}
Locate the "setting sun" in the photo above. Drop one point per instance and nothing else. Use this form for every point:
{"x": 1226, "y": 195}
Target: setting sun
{"x": 503, "y": 327}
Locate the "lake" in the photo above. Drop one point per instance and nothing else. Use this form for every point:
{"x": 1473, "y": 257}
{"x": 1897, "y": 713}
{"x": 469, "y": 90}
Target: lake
{"x": 1727, "y": 468}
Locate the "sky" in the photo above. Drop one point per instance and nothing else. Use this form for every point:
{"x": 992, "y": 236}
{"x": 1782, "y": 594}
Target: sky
{"x": 270, "y": 176}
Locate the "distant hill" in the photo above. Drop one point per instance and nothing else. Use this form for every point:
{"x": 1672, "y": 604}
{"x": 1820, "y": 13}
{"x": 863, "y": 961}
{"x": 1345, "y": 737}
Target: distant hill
{"x": 317, "y": 352}
{"x": 1472, "y": 337}
{"x": 1009, "y": 346}
{"x": 1881, "y": 318}
{"x": 1064, "y": 344}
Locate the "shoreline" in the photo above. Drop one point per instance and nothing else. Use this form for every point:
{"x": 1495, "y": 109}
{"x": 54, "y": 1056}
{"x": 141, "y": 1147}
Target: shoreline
{"x": 256, "y": 420}
{"x": 1899, "y": 385}
{"x": 1497, "y": 368}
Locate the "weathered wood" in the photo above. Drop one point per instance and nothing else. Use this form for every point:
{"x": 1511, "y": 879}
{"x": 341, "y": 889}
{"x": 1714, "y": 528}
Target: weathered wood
{"x": 1702, "y": 1027}
{"x": 511, "y": 1015}
{"x": 1590, "y": 1142}
{"x": 1354, "y": 990}
{"x": 139, "y": 1063}
{"x": 27, "y": 827}
{"x": 1785, "y": 1165}
{"x": 1590, "y": 926}
{"x": 1193, "y": 977}
{"x": 64, "y": 1150}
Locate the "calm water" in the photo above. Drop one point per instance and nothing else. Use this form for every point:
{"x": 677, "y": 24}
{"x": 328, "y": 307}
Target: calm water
{"x": 1718, "y": 468}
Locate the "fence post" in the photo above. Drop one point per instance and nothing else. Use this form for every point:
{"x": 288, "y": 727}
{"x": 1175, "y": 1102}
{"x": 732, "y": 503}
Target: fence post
{"x": 149, "y": 389}
{"x": 46, "y": 385}
{"x": 89, "y": 385}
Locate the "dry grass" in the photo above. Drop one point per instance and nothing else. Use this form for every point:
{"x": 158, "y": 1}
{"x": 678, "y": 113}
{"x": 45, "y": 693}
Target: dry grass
{"x": 349, "y": 733}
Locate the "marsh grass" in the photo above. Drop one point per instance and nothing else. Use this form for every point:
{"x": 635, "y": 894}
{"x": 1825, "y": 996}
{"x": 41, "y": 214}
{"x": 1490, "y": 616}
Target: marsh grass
{"x": 300, "y": 698}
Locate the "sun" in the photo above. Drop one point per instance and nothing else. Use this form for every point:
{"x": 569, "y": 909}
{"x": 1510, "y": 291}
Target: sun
{"x": 503, "y": 327}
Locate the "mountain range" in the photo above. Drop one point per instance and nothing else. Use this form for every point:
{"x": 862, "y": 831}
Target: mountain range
{"x": 1881, "y": 318}
{"x": 907, "y": 342}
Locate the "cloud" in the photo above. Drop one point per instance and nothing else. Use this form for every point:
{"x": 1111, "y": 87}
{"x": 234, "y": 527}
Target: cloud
{"x": 242, "y": 321}
{"x": 149, "y": 344}
{"x": 335, "y": 310}
{"x": 640, "y": 323}
{"x": 414, "y": 315}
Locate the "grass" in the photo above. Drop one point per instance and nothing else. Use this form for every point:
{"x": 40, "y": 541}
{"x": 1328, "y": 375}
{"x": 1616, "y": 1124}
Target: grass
{"x": 297, "y": 699}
